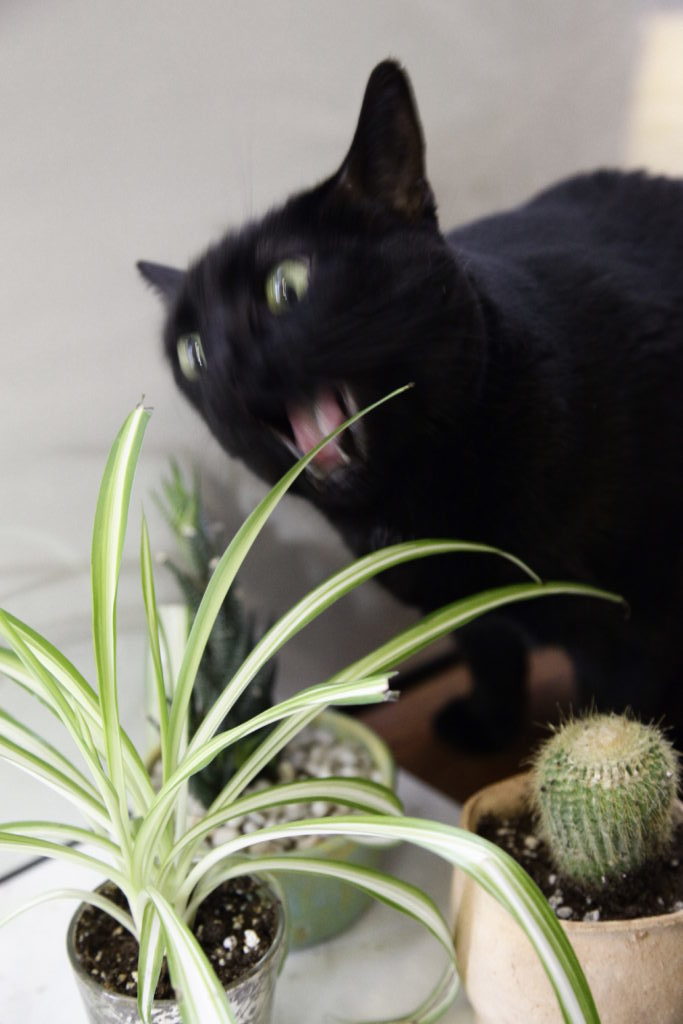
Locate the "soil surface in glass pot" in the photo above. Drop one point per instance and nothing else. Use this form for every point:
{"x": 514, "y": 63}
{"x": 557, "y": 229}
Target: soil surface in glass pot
{"x": 657, "y": 889}
{"x": 235, "y": 926}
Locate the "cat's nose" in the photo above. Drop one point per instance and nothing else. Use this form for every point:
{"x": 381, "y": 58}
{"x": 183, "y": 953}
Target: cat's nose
{"x": 260, "y": 388}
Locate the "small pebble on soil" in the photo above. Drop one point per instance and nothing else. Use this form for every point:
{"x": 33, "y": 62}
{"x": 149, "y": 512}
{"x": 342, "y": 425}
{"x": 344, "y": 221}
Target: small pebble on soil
{"x": 315, "y": 753}
{"x": 110, "y": 953}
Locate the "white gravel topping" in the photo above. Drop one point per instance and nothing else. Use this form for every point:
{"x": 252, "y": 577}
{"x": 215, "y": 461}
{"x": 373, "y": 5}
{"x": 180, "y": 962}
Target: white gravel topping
{"x": 315, "y": 753}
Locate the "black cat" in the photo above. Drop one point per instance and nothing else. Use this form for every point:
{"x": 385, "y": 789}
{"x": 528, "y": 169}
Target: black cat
{"x": 546, "y": 349}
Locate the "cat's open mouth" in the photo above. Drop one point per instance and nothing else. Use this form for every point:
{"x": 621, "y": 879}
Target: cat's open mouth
{"x": 308, "y": 423}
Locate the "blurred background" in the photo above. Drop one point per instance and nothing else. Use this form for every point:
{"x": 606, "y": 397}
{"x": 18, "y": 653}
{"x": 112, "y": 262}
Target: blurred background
{"x": 144, "y": 130}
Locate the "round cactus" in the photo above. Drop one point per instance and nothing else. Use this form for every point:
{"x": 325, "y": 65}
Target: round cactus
{"x": 604, "y": 790}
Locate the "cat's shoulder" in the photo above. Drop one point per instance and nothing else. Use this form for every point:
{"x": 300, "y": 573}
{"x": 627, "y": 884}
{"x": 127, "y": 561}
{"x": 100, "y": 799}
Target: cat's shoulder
{"x": 608, "y": 186}
{"x": 583, "y": 210}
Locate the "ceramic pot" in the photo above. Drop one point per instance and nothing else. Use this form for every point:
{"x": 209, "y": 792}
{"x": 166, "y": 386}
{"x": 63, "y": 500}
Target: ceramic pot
{"x": 633, "y": 967}
{"x": 251, "y": 997}
{"x": 319, "y": 908}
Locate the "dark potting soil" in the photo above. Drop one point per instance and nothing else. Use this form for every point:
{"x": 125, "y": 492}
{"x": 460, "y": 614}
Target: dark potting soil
{"x": 657, "y": 889}
{"x": 235, "y": 926}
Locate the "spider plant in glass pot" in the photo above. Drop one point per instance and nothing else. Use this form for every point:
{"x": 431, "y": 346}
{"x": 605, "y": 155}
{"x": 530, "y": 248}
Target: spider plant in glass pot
{"x": 317, "y": 908}
{"x": 140, "y": 840}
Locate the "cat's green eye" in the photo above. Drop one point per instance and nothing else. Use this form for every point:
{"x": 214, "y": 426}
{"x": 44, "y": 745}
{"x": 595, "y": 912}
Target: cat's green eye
{"x": 287, "y": 284}
{"x": 191, "y": 355}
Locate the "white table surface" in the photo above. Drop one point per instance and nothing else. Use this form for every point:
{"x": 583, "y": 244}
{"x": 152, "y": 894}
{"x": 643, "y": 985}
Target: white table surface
{"x": 382, "y": 966}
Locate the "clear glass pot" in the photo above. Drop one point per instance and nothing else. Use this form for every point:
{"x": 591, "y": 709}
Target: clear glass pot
{"x": 251, "y": 997}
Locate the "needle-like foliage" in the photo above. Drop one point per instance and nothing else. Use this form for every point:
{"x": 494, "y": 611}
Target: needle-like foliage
{"x": 232, "y": 637}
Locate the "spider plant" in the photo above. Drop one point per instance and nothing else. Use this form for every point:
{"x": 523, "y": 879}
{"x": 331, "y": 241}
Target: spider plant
{"x": 140, "y": 838}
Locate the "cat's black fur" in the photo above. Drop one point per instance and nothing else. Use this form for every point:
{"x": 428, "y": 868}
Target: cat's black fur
{"x": 546, "y": 350}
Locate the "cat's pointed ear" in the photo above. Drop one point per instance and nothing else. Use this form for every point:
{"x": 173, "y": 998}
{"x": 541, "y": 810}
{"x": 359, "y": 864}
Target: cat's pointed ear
{"x": 386, "y": 161}
{"x": 166, "y": 281}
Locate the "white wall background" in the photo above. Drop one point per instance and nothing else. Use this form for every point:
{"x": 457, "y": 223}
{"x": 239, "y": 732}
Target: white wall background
{"x": 143, "y": 128}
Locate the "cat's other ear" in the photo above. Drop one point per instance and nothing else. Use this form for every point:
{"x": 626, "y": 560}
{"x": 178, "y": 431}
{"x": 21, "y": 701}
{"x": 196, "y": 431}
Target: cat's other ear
{"x": 165, "y": 281}
{"x": 386, "y": 160}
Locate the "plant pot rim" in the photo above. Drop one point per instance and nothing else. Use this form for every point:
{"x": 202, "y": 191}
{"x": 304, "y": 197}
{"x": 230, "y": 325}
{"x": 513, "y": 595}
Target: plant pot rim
{"x": 278, "y": 944}
{"x": 519, "y": 784}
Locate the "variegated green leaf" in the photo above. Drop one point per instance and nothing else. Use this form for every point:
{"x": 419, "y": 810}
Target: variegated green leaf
{"x": 321, "y": 598}
{"x": 82, "y": 798}
{"x": 361, "y": 794}
{"x": 48, "y": 685}
{"x": 433, "y": 1007}
{"x": 152, "y": 616}
{"x": 358, "y": 692}
{"x": 266, "y": 751}
{"x": 225, "y": 572}
{"x": 400, "y": 895}
{"x": 455, "y": 615}
{"x": 363, "y": 690}
{"x": 109, "y": 531}
{"x": 150, "y": 959}
{"x": 493, "y": 869}
{"x": 81, "y": 695}
{"x": 67, "y": 833}
{"x": 95, "y": 899}
{"x": 28, "y": 744}
{"x": 200, "y": 996}
{"x": 55, "y": 851}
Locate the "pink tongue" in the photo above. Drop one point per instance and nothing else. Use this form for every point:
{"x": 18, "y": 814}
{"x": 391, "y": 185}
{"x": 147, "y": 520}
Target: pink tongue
{"x": 310, "y": 424}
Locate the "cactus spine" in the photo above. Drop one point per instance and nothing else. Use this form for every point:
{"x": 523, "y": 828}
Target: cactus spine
{"x": 604, "y": 790}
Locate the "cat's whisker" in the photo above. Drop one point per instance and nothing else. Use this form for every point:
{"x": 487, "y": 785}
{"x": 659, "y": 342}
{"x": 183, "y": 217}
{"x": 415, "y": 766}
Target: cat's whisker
{"x": 316, "y": 474}
{"x": 350, "y": 402}
{"x": 288, "y": 443}
{"x": 356, "y": 431}
{"x": 344, "y": 456}
{"x": 359, "y": 439}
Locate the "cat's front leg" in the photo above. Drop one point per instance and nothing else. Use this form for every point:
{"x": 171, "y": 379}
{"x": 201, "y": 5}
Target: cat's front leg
{"x": 496, "y": 713}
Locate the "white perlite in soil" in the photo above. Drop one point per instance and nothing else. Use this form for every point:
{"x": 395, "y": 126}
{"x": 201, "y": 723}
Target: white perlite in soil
{"x": 316, "y": 753}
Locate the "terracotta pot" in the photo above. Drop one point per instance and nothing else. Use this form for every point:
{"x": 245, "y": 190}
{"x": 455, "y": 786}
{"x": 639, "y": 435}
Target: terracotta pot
{"x": 251, "y": 997}
{"x": 634, "y": 968}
